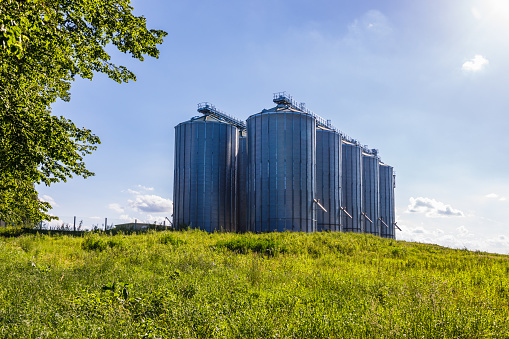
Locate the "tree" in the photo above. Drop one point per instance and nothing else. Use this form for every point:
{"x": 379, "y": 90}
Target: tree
{"x": 44, "y": 45}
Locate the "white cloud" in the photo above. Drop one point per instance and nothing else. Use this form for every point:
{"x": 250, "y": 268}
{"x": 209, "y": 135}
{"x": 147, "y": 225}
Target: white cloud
{"x": 495, "y": 196}
{"x": 155, "y": 218}
{"x": 151, "y": 203}
{"x": 48, "y": 199}
{"x": 460, "y": 238}
{"x": 138, "y": 189}
{"x": 463, "y": 232}
{"x": 502, "y": 242}
{"x": 56, "y": 224}
{"x": 145, "y": 188}
{"x": 116, "y": 207}
{"x": 126, "y": 218}
{"x": 432, "y": 208}
{"x": 475, "y": 64}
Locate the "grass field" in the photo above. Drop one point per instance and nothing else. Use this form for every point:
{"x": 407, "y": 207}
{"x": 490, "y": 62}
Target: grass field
{"x": 279, "y": 285}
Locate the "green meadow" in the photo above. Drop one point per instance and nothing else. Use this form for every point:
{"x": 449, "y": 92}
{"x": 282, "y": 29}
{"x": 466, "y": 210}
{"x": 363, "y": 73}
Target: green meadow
{"x": 192, "y": 284}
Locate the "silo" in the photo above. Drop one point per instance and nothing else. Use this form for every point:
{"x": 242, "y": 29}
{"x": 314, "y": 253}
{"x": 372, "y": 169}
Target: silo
{"x": 205, "y": 175}
{"x": 242, "y": 192}
{"x": 370, "y": 192}
{"x": 328, "y": 179}
{"x": 352, "y": 186}
{"x": 387, "y": 207}
{"x": 282, "y": 159}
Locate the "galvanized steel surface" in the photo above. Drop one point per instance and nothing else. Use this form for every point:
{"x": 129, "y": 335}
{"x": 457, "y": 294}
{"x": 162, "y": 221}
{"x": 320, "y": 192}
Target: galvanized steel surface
{"x": 282, "y": 159}
{"x": 242, "y": 191}
{"x": 370, "y": 193}
{"x": 352, "y": 187}
{"x": 387, "y": 207}
{"x": 205, "y": 175}
{"x": 328, "y": 179}
{"x": 290, "y": 172}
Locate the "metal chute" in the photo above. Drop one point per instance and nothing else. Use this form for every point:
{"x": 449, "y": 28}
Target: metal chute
{"x": 366, "y": 216}
{"x": 320, "y": 205}
{"x": 346, "y": 212}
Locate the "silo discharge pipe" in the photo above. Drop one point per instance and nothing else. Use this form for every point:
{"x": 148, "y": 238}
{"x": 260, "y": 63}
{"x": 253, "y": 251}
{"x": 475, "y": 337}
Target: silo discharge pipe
{"x": 320, "y": 205}
{"x": 366, "y": 216}
{"x": 344, "y": 210}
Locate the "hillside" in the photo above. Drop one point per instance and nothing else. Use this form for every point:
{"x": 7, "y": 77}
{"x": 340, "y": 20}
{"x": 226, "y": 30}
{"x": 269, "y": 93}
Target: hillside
{"x": 195, "y": 284}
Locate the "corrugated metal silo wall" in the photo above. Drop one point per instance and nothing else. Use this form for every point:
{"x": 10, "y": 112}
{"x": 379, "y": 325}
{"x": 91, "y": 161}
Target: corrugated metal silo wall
{"x": 328, "y": 179}
{"x": 352, "y": 187}
{"x": 205, "y": 175}
{"x": 387, "y": 207}
{"x": 371, "y": 193}
{"x": 282, "y": 160}
{"x": 242, "y": 192}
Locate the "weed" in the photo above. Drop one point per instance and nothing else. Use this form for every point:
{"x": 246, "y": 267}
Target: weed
{"x": 248, "y": 243}
{"x": 170, "y": 239}
{"x": 95, "y": 242}
{"x": 193, "y": 284}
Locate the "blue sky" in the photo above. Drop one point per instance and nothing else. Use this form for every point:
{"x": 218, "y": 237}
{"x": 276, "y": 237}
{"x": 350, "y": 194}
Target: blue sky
{"x": 424, "y": 82}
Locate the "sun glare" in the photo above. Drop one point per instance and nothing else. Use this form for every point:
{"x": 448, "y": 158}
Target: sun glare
{"x": 496, "y": 11}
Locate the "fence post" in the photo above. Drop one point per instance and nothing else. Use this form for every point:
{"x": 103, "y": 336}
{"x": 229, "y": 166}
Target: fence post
{"x": 105, "y": 224}
{"x": 74, "y": 223}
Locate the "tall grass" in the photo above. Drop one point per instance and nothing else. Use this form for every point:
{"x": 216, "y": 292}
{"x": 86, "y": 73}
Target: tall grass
{"x": 194, "y": 284}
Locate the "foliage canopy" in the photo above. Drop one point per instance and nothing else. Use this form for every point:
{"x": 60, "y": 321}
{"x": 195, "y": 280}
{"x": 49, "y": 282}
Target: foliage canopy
{"x": 44, "y": 45}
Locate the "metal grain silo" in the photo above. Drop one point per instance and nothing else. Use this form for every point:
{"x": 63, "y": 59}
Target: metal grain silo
{"x": 205, "y": 174}
{"x": 281, "y": 149}
{"x": 242, "y": 192}
{"x": 387, "y": 207}
{"x": 328, "y": 179}
{"x": 352, "y": 186}
{"x": 370, "y": 192}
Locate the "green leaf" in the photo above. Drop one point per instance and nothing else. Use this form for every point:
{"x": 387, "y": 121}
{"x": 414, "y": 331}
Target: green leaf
{"x": 44, "y": 45}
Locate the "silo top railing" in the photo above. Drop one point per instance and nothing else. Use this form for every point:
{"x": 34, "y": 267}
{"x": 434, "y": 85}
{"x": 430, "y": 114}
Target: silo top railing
{"x": 283, "y": 98}
{"x": 209, "y": 109}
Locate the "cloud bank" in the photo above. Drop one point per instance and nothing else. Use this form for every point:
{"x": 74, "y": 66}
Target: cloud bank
{"x": 48, "y": 199}
{"x": 495, "y": 196}
{"x": 432, "y": 208}
{"x": 151, "y": 204}
{"x": 116, "y": 207}
{"x": 461, "y": 238}
{"x": 145, "y": 188}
